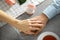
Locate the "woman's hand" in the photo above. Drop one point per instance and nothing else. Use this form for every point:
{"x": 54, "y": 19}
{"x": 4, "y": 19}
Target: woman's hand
{"x": 23, "y": 26}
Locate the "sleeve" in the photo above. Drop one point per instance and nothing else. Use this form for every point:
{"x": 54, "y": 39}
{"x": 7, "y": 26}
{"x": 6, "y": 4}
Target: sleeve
{"x": 53, "y": 9}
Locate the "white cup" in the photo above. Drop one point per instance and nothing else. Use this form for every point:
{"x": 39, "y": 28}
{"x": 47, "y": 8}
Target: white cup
{"x": 41, "y": 36}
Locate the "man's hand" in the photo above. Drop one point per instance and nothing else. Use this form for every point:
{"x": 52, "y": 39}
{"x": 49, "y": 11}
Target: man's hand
{"x": 38, "y": 22}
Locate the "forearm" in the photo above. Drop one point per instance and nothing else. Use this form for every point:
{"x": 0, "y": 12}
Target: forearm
{"x": 44, "y": 17}
{"x": 21, "y": 25}
{"x": 7, "y": 18}
{"x": 53, "y": 9}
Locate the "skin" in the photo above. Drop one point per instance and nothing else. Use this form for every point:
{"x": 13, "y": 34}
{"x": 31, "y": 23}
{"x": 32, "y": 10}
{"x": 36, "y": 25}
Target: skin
{"x": 39, "y": 22}
{"x": 29, "y": 26}
{"x": 21, "y": 25}
{"x": 33, "y": 25}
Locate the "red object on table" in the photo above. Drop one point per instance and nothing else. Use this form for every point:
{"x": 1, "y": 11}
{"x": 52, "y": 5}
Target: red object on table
{"x": 10, "y": 2}
{"x": 49, "y": 37}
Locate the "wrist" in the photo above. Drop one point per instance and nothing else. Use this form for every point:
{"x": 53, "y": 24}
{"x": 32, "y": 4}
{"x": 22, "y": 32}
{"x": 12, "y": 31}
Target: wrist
{"x": 44, "y": 17}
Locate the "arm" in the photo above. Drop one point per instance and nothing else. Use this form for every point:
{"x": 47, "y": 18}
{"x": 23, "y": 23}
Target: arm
{"x": 22, "y": 25}
{"x": 53, "y": 9}
{"x": 10, "y": 20}
{"x": 7, "y": 18}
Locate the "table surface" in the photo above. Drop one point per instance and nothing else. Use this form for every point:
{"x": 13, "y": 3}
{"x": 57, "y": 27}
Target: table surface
{"x": 8, "y": 32}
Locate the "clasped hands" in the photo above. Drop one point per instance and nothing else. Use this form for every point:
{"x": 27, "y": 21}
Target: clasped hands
{"x": 33, "y": 25}
{"x": 28, "y": 26}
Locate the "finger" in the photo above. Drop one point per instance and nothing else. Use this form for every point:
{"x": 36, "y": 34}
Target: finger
{"x": 28, "y": 32}
{"x": 33, "y": 19}
{"x": 33, "y": 22}
{"x": 36, "y": 24}
{"x": 31, "y": 30}
{"x": 34, "y": 30}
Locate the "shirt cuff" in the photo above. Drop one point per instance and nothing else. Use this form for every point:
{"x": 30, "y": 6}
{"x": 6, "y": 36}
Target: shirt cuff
{"x": 50, "y": 11}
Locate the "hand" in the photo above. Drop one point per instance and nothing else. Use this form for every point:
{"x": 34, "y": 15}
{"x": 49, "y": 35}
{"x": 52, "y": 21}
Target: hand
{"x": 31, "y": 26}
{"x": 38, "y": 22}
{"x": 23, "y": 26}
